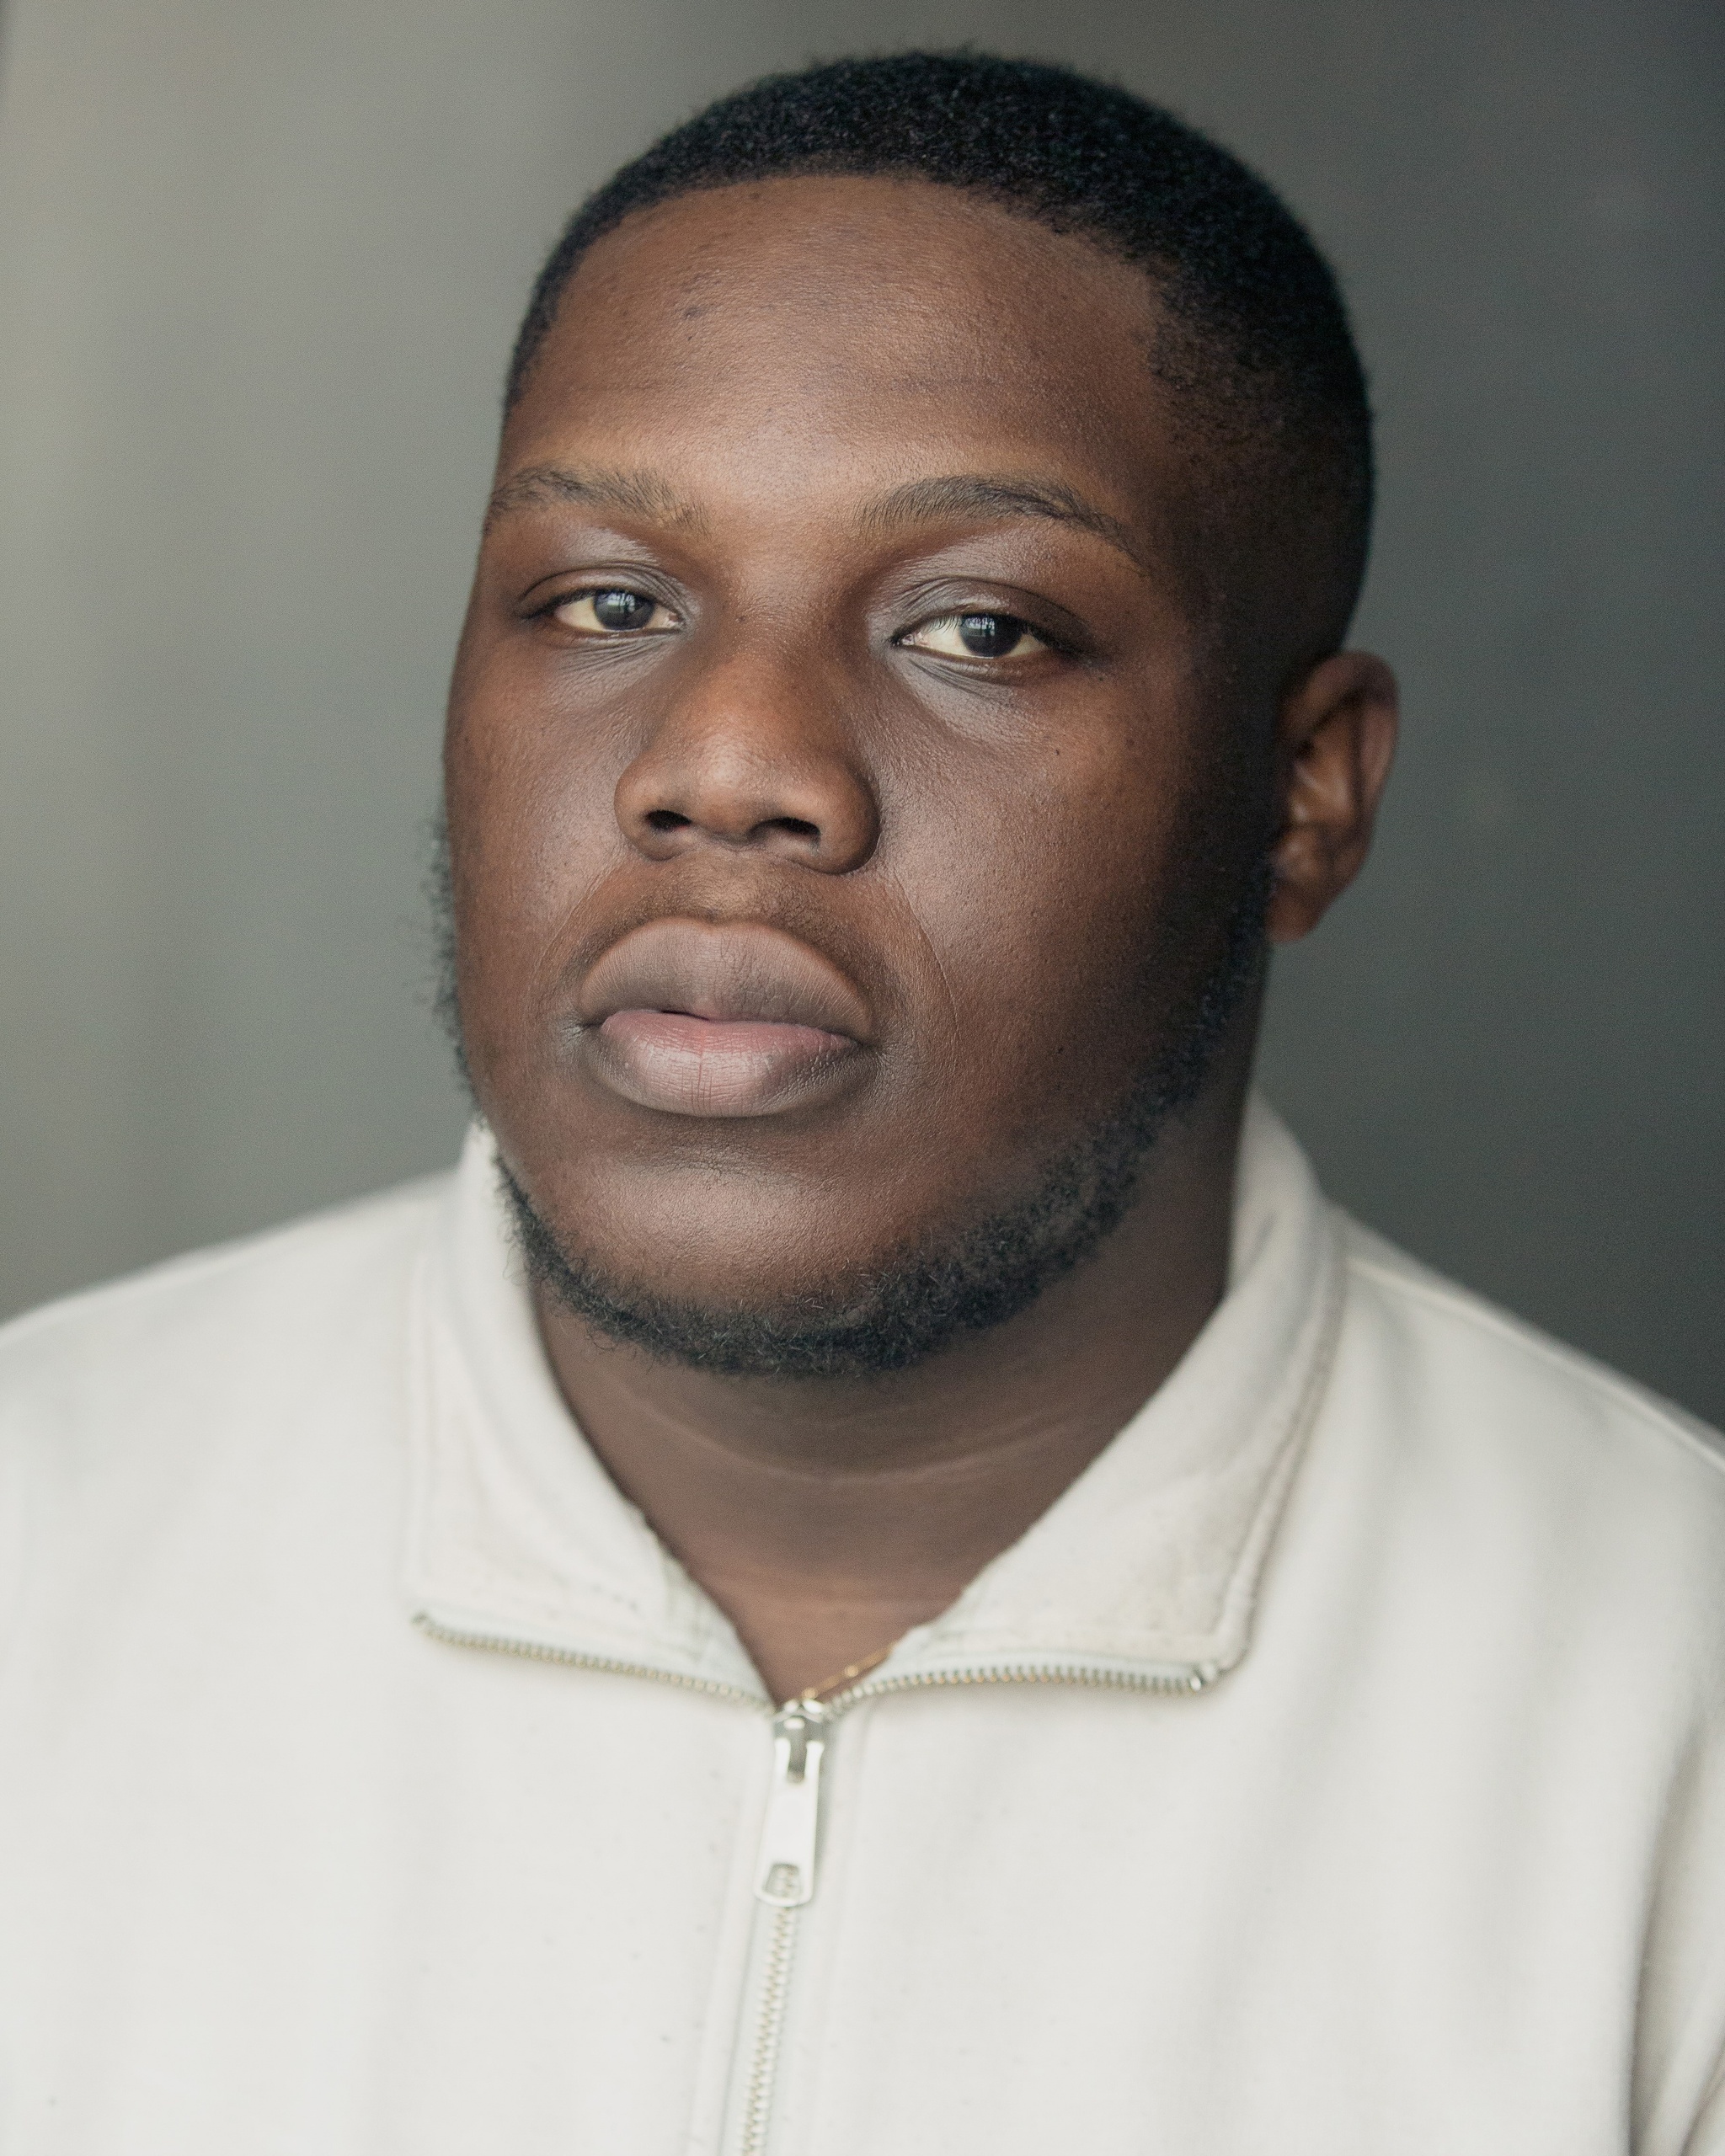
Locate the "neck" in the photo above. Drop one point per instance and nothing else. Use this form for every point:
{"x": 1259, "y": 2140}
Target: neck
{"x": 825, "y": 1517}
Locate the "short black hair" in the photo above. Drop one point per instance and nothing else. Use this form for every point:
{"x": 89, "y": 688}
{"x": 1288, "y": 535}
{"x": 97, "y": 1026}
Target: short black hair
{"x": 1260, "y": 343}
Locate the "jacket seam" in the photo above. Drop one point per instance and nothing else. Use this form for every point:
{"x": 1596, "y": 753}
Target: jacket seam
{"x": 1715, "y": 2087}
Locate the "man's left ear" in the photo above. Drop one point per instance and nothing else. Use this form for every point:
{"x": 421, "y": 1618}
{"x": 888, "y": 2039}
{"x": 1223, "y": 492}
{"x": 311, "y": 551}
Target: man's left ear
{"x": 1334, "y": 742}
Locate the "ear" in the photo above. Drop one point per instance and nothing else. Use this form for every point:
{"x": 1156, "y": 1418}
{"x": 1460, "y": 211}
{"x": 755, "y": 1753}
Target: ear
{"x": 1335, "y": 737}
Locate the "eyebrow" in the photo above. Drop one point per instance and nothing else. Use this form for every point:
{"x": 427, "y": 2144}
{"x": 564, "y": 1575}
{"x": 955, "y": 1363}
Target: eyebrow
{"x": 955, "y": 494}
{"x": 979, "y": 494}
{"x": 637, "y": 493}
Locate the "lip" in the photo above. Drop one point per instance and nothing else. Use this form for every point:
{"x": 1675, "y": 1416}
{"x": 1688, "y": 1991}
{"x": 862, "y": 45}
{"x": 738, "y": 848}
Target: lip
{"x": 736, "y": 1018}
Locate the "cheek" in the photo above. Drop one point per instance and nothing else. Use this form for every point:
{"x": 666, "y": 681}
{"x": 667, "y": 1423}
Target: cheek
{"x": 1043, "y": 926}
{"x": 533, "y": 827}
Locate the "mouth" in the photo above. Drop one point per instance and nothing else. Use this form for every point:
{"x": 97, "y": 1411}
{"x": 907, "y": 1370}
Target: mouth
{"x": 733, "y": 1019}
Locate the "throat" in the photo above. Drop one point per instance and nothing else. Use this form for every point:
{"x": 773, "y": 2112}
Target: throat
{"x": 812, "y": 1645}
{"x": 828, "y": 1517}
{"x": 823, "y": 1558}
{"x": 826, "y": 1521}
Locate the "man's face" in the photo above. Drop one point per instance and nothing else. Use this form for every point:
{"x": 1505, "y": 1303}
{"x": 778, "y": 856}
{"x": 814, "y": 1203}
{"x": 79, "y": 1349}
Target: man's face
{"x": 844, "y": 814}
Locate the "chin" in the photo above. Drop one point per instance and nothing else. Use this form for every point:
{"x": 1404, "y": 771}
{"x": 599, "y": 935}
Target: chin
{"x": 787, "y": 1283}
{"x": 775, "y": 1294}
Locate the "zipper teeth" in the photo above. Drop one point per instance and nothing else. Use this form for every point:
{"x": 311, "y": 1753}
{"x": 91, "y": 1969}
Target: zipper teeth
{"x": 530, "y": 1651}
{"x": 1196, "y": 1678}
{"x": 763, "y": 2072}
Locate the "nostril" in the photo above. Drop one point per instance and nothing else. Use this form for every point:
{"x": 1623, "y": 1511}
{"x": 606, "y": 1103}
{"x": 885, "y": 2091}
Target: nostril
{"x": 666, "y": 819}
{"x": 794, "y": 826}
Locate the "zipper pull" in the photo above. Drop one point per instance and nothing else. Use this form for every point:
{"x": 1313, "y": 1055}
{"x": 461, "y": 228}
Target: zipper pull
{"x": 785, "y": 1875}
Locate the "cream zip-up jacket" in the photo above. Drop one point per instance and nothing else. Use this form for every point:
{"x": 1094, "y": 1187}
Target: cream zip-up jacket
{"x": 1336, "y": 1770}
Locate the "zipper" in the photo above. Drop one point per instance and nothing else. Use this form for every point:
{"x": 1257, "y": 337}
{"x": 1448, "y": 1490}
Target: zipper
{"x": 790, "y": 1833}
{"x": 454, "y": 1636}
{"x": 784, "y": 1875}
{"x": 790, "y": 1830}
{"x": 784, "y": 1882}
{"x": 1176, "y": 1677}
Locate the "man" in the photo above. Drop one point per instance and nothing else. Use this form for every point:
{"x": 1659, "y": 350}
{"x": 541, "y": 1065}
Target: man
{"x": 876, "y": 1573}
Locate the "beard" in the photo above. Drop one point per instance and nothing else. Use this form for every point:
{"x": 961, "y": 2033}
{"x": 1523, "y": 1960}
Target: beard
{"x": 932, "y": 1292}
{"x": 927, "y": 1294}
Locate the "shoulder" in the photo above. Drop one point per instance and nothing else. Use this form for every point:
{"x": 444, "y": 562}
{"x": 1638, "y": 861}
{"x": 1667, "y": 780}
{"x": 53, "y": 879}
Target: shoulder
{"x": 1585, "y": 1482}
{"x": 203, "y": 1405}
{"x": 221, "y": 1340}
{"x": 236, "y": 1302}
{"x": 1531, "y": 1549}
{"x": 1506, "y": 1366}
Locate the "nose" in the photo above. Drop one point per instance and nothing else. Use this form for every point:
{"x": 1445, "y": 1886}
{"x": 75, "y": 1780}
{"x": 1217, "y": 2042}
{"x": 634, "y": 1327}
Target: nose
{"x": 749, "y": 758}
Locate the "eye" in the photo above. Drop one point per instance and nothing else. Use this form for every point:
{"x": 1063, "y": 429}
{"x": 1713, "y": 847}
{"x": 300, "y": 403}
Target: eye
{"x": 975, "y": 636}
{"x": 613, "y": 611}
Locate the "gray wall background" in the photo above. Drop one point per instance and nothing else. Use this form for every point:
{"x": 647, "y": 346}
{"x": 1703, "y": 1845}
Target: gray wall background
{"x": 258, "y": 267}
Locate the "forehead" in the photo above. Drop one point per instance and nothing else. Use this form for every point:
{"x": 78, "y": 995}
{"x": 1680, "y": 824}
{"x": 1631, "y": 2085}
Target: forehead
{"x": 798, "y": 327}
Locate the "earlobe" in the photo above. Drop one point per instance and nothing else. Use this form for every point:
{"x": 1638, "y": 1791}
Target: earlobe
{"x": 1336, "y": 737}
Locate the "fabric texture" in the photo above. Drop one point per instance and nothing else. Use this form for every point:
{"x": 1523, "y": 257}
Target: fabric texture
{"x": 1337, "y": 1766}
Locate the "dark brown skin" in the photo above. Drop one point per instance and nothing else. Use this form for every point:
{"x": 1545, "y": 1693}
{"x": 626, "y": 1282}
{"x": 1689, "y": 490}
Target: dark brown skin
{"x": 746, "y": 385}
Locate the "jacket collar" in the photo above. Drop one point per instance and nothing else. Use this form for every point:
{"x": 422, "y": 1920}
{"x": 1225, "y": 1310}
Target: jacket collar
{"x": 1147, "y": 1567}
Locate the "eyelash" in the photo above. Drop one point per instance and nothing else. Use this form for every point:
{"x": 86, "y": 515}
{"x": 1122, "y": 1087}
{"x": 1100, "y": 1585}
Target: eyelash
{"x": 617, "y": 634}
{"x": 614, "y": 633}
{"x": 962, "y": 619}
